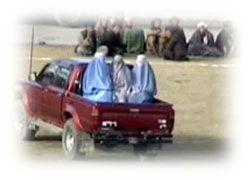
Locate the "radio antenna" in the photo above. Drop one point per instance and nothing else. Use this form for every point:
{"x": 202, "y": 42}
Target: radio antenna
{"x": 31, "y": 50}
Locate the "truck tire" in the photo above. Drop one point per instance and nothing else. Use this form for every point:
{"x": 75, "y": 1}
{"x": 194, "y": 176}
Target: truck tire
{"x": 75, "y": 144}
{"x": 23, "y": 123}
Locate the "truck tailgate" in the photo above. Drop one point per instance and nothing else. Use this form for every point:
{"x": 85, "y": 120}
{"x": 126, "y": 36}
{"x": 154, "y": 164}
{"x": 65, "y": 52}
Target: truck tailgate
{"x": 137, "y": 116}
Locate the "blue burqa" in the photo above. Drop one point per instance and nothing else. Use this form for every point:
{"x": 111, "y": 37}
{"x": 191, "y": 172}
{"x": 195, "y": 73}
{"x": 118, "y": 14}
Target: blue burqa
{"x": 144, "y": 83}
{"x": 97, "y": 84}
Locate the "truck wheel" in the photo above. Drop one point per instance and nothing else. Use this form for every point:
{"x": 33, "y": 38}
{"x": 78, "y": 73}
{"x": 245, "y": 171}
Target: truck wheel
{"x": 22, "y": 123}
{"x": 75, "y": 144}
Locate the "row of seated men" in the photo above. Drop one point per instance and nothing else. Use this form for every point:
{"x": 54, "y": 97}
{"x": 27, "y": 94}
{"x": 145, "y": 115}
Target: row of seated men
{"x": 117, "y": 83}
{"x": 169, "y": 42}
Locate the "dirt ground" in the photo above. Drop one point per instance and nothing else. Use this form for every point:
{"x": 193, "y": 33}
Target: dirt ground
{"x": 199, "y": 90}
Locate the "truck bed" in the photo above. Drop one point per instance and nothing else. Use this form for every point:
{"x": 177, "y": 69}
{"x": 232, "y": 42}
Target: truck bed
{"x": 124, "y": 117}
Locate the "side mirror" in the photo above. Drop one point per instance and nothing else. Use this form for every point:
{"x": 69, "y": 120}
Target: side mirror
{"x": 33, "y": 76}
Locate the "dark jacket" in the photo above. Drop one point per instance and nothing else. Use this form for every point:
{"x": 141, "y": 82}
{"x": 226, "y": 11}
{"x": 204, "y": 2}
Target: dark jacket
{"x": 224, "y": 42}
{"x": 179, "y": 32}
{"x": 198, "y": 39}
{"x": 175, "y": 49}
{"x": 113, "y": 42}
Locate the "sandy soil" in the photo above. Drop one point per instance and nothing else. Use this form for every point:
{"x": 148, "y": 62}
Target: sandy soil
{"x": 199, "y": 90}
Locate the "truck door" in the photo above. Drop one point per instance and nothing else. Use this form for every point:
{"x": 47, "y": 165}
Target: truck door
{"x": 35, "y": 98}
{"x": 45, "y": 79}
{"x": 53, "y": 95}
{"x": 35, "y": 92}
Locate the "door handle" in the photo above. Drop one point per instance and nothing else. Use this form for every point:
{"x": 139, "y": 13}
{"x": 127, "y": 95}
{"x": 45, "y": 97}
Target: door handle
{"x": 46, "y": 90}
{"x": 59, "y": 94}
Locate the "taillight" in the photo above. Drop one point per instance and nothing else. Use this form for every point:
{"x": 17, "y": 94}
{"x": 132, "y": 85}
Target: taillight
{"x": 162, "y": 123}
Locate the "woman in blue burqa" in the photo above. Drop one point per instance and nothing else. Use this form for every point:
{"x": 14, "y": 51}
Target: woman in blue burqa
{"x": 143, "y": 82}
{"x": 97, "y": 84}
{"x": 121, "y": 80}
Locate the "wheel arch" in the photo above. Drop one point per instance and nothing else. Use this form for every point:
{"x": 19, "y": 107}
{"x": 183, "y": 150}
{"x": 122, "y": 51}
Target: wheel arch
{"x": 71, "y": 113}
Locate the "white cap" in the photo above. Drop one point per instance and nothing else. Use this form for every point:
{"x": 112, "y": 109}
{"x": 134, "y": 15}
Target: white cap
{"x": 201, "y": 24}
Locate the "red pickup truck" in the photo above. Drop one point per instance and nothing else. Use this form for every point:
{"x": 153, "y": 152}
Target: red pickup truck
{"x": 54, "y": 97}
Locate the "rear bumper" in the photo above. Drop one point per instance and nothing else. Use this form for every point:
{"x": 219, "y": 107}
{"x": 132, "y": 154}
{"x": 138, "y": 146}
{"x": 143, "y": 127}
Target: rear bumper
{"x": 132, "y": 137}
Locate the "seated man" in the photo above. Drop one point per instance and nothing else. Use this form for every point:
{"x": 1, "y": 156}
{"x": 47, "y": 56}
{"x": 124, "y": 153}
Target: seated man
{"x": 177, "y": 29}
{"x": 112, "y": 39}
{"x": 153, "y": 37}
{"x": 133, "y": 39}
{"x": 121, "y": 80}
{"x": 224, "y": 40}
{"x": 202, "y": 42}
{"x": 175, "y": 49}
{"x": 143, "y": 82}
{"x": 86, "y": 42}
{"x": 97, "y": 84}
